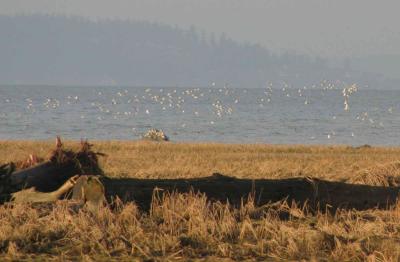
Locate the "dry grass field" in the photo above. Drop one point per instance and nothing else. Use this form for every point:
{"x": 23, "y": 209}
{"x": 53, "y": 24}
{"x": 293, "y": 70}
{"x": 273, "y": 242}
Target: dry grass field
{"x": 188, "y": 227}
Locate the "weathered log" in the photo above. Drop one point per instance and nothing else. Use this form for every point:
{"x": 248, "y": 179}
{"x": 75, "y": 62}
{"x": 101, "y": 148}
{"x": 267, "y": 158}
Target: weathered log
{"x": 62, "y": 165}
{"x": 32, "y": 196}
{"x": 45, "y": 177}
{"x": 87, "y": 191}
{"x": 318, "y": 193}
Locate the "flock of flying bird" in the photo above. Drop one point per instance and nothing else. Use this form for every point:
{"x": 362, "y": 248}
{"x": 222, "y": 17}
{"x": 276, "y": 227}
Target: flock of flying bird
{"x": 213, "y": 103}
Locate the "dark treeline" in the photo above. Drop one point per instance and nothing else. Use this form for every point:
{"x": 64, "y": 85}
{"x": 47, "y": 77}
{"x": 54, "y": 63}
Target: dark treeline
{"x": 40, "y": 49}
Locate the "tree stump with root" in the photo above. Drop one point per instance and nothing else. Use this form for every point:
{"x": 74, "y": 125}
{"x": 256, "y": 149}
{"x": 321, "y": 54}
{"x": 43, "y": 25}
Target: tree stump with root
{"x": 90, "y": 191}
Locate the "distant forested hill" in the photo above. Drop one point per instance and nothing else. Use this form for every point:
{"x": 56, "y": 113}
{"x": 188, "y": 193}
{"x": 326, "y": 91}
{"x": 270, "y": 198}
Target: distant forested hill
{"x": 38, "y": 49}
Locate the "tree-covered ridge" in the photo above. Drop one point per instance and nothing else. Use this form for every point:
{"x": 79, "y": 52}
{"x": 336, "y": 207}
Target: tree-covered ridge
{"x": 42, "y": 49}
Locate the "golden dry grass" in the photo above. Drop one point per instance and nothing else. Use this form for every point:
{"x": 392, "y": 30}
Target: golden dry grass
{"x": 186, "y": 226}
{"x": 143, "y": 159}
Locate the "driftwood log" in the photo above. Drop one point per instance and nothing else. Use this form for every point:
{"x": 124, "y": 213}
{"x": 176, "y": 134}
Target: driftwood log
{"x": 319, "y": 194}
{"x": 32, "y": 196}
{"x": 85, "y": 190}
{"x": 45, "y": 177}
{"x": 48, "y": 176}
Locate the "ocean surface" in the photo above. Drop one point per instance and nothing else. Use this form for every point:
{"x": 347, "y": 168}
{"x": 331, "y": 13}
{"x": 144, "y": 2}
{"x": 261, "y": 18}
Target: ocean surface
{"x": 219, "y": 114}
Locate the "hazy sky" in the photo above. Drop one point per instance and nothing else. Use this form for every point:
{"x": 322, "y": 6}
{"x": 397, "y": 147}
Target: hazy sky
{"x": 322, "y": 27}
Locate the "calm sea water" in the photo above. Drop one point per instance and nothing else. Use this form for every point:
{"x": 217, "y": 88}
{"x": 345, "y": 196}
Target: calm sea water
{"x": 276, "y": 116}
